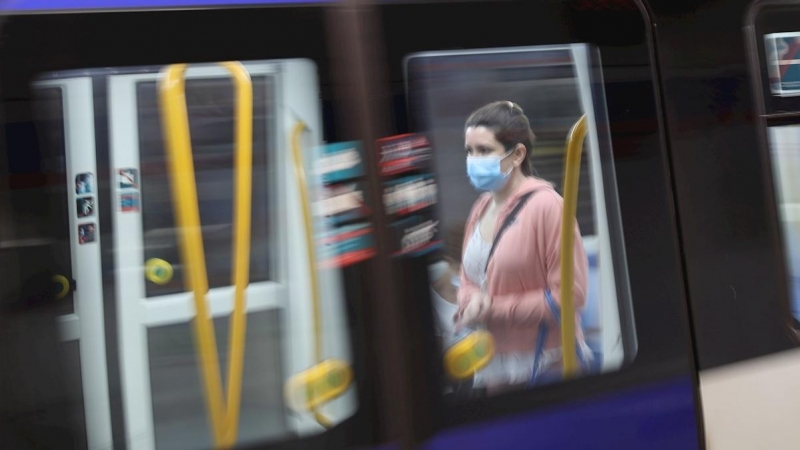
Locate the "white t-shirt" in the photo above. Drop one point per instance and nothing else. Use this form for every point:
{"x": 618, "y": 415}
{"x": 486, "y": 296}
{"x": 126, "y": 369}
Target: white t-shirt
{"x": 505, "y": 368}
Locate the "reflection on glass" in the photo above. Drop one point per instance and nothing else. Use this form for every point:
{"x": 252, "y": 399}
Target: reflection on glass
{"x": 122, "y": 205}
{"x": 210, "y": 104}
{"x": 49, "y": 110}
{"x": 783, "y": 63}
{"x": 498, "y": 121}
{"x": 783, "y": 142}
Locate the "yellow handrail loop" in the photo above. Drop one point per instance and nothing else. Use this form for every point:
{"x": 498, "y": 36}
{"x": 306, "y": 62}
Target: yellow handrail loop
{"x": 223, "y": 413}
{"x": 328, "y": 378}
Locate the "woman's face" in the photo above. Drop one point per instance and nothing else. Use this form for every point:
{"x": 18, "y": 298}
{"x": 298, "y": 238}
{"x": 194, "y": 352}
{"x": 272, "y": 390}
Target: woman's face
{"x": 480, "y": 141}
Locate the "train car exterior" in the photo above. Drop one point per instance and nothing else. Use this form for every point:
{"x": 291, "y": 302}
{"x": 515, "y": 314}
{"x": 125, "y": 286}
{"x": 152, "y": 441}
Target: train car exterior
{"x": 355, "y": 131}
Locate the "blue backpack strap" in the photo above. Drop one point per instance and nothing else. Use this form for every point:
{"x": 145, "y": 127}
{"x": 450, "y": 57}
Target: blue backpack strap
{"x": 554, "y": 308}
{"x": 543, "y": 331}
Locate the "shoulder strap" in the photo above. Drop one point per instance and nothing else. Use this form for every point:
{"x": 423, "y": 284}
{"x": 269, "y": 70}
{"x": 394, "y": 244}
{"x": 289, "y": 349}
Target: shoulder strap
{"x": 509, "y": 220}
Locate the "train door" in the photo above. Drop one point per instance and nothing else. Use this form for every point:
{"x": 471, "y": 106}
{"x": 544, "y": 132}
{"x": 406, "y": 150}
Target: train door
{"x": 291, "y": 358}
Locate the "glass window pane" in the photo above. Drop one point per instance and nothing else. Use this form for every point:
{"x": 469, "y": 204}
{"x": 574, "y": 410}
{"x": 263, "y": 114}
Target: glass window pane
{"x": 784, "y": 142}
{"x": 178, "y": 412}
{"x": 210, "y": 104}
{"x": 552, "y": 87}
{"x": 49, "y": 107}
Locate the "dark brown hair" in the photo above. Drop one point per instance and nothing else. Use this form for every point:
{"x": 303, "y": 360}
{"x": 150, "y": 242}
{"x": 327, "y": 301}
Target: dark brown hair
{"x": 510, "y": 126}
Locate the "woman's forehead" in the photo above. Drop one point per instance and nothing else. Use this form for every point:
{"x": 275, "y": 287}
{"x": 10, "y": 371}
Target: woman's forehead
{"x": 476, "y": 136}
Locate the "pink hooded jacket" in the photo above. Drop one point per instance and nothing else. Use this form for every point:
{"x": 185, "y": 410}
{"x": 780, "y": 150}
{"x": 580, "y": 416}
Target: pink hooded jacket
{"x": 525, "y": 264}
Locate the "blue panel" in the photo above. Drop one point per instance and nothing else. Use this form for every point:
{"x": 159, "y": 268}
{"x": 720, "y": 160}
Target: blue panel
{"x": 656, "y": 417}
{"x": 38, "y": 5}
{"x": 792, "y": 245}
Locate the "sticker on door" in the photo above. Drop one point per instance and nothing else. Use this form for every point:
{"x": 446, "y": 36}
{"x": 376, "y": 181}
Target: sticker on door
{"x": 85, "y": 206}
{"x": 128, "y": 178}
{"x": 86, "y": 233}
{"x": 84, "y": 183}
{"x": 129, "y": 202}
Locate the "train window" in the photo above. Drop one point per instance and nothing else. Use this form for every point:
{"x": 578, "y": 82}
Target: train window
{"x": 783, "y": 140}
{"x": 211, "y": 120}
{"x": 780, "y": 52}
{"x": 553, "y": 87}
{"x": 775, "y": 48}
{"x": 195, "y": 178}
{"x": 553, "y": 67}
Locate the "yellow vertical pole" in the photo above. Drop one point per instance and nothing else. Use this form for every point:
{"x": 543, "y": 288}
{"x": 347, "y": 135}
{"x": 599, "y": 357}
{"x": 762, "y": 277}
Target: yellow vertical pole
{"x": 241, "y": 248}
{"x": 571, "y": 175}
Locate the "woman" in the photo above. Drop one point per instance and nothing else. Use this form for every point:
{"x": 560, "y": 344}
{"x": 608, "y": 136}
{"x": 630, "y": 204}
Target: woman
{"x": 514, "y": 292}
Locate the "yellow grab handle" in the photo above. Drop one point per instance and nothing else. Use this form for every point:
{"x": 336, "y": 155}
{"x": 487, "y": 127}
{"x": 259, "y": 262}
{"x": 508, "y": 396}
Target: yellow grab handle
{"x": 572, "y": 167}
{"x": 469, "y": 355}
{"x": 315, "y": 386}
{"x": 175, "y": 119}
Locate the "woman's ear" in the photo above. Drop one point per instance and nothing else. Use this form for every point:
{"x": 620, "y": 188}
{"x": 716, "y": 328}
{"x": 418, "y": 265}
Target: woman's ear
{"x": 519, "y": 154}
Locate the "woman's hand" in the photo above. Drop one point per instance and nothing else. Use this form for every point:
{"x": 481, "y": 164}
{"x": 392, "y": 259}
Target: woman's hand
{"x": 475, "y": 312}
